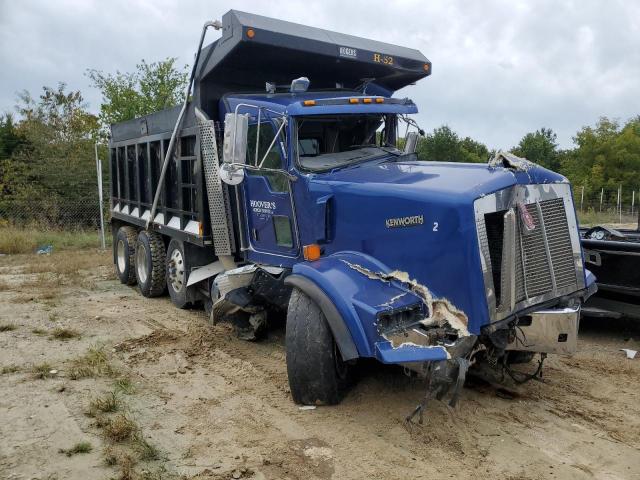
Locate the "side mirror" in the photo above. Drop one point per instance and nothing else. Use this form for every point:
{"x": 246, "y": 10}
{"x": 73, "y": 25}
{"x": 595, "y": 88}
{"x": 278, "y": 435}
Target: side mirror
{"x": 411, "y": 142}
{"x": 236, "y": 127}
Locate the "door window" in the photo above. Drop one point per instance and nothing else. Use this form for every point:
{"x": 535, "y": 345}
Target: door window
{"x": 277, "y": 182}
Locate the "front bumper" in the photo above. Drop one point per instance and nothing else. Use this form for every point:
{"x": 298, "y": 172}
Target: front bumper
{"x": 548, "y": 331}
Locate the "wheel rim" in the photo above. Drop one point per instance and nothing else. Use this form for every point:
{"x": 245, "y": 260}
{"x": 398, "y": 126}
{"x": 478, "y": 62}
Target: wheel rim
{"x": 142, "y": 266}
{"x": 176, "y": 270}
{"x": 122, "y": 258}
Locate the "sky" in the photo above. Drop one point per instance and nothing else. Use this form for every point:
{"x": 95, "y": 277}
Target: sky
{"x": 501, "y": 69}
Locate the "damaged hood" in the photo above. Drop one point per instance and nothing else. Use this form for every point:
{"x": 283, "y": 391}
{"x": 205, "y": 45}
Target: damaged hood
{"x": 416, "y": 217}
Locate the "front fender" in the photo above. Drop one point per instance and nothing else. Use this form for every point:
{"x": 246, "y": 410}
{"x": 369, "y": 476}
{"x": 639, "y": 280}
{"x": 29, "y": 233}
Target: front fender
{"x": 355, "y": 286}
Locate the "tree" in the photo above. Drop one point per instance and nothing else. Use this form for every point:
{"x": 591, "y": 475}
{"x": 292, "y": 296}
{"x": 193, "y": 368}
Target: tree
{"x": 10, "y": 140}
{"x": 443, "y": 144}
{"x": 54, "y": 162}
{"x": 540, "y": 147}
{"x": 606, "y": 156}
{"x": 152, "y": 87}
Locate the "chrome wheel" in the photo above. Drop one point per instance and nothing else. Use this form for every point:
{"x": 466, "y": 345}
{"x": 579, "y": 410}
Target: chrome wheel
{"x": 122, "y": 256}
{"x": 176, "y": 270}
{"x": 142, "y": 265}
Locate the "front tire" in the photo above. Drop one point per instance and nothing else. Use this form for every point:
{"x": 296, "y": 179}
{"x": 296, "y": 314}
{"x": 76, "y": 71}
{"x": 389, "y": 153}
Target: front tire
{"x": 124, "y": 248}
{"x": 150, "y": 264}
{"x": 317, "y": 374}
{"x": 177, "y": 274}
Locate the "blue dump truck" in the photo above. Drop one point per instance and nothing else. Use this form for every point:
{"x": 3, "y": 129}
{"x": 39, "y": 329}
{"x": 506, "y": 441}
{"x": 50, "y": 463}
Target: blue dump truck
{"x": 288, "y": 182}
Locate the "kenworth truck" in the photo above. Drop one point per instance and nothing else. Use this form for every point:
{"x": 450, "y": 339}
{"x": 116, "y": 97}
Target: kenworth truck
{"x": 288, "y": 182}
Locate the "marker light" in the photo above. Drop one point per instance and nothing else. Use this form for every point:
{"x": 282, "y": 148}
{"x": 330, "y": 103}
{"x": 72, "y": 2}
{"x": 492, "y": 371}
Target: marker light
{"x": 251, "y": 33}
{"x": 354, "y": 100}
{"x": 309, "y": 103}
{"x": 311, "y": 252}
{"x": 426, "y": 67}
{"x": 366, "y": 100}
{"x": 379, "y": 100}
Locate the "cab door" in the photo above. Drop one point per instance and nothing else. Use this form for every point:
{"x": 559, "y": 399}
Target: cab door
{"x": 269, "y": 207}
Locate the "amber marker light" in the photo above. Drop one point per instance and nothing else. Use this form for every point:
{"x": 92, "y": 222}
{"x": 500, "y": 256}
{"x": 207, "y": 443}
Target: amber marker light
{"x": 426, "y": 67}
{"x": 311, "y": 252}
{"x": 379, "y": 100}
{"x": 366, "y": 100}
{"x": 354, "y": 100}
{"x": 309, "y": 103}
{"x": 251, "y": 33}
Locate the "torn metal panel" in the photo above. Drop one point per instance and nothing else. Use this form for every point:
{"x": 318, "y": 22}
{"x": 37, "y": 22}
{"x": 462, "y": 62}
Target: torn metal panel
{"x": 441, "y": 311}
{"x": 510, "y": 161}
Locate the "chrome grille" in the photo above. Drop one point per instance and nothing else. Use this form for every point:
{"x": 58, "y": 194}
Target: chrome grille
{"x": 528, "y": 265}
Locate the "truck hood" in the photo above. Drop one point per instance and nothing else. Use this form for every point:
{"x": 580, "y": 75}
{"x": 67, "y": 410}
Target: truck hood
{"x": 463, "y": 182}
{"x": 415, "y": 217}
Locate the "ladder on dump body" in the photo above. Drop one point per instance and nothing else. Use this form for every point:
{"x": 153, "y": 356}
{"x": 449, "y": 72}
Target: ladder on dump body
{"x": 217, "y": 195}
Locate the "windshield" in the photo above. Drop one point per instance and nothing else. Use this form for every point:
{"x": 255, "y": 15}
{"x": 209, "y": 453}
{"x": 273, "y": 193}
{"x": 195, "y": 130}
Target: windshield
{"x": 330, "y": 141}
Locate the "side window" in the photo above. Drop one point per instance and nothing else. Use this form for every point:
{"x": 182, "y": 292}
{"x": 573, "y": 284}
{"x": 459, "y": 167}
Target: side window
{"x": 277, "y": 182}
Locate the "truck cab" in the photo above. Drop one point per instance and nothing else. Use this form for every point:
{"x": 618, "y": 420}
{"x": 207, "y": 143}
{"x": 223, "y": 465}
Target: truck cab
{"x": 304, "y": 195}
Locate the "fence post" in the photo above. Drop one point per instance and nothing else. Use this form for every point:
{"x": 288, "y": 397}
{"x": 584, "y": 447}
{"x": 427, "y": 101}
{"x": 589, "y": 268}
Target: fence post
{"x": 582, "y": 199}
{"x": 99, "y": 173}
{"x": 620, "y": 202}
{"x": 601, "y": 195}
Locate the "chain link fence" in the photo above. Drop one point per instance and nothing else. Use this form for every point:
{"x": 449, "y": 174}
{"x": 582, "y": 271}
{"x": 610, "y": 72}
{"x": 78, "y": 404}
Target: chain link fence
{"x": 77, "y": 214}
{"x": 616, "y": 206}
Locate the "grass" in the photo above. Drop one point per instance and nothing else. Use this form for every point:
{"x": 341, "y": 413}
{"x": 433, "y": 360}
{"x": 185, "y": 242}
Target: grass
{"x": 4, "y": 286}
{"x": 124, "y": 385}
{"x": 42, "y": 371}
{"x": 94, "y": 363}
{"x": 63, "y": 333}
{"x": 80, "y": 447}
{"x": 15, "y": 240}
{"x": 119, "y": 429}
{"x": 108, "y": 403}
{"x": 145, "y": 450}
{"x": 9, "y": 369}
{"x": 593, "y": 217}
{"x": 7, "y": 327}
{"x": 39, "y": 331}
{"x": 68, "y": 263}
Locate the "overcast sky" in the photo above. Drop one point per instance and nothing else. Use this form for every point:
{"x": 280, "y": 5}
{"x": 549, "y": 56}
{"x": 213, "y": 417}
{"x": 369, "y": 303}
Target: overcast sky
{"x": 500, "y": 68}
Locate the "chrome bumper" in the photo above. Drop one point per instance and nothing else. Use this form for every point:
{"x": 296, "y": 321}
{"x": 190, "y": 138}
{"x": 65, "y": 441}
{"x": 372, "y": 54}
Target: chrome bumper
{"x": 549, "y": 331}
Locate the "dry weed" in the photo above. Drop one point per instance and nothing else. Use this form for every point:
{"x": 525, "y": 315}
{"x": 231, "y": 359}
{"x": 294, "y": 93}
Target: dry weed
{"x": 94, "y": 363}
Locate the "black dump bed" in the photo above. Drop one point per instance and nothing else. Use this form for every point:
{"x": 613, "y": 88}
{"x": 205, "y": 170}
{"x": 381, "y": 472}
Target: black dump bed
{"x": 254, "y": 49}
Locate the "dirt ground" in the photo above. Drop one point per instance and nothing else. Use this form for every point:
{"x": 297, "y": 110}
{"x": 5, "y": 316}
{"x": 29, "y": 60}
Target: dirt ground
{"x": 205, "y": 405}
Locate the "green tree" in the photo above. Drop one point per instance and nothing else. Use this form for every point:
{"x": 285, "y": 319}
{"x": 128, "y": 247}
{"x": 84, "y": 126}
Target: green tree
{"x": 443, "y": 144}
{"x": 606, "y": 156}
{"x": 540, "y": 147}
{"x": 10, "y": 139}
{"x": 54, "y": 164}
{"x": 152, "y": 87}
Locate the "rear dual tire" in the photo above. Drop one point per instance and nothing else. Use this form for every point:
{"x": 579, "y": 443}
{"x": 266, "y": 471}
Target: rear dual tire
{"x": 150, "y": 264}
{"x": 125, "y": 254}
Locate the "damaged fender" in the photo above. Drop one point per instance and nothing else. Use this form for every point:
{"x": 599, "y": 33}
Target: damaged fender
{"x": 386, "y": 314}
